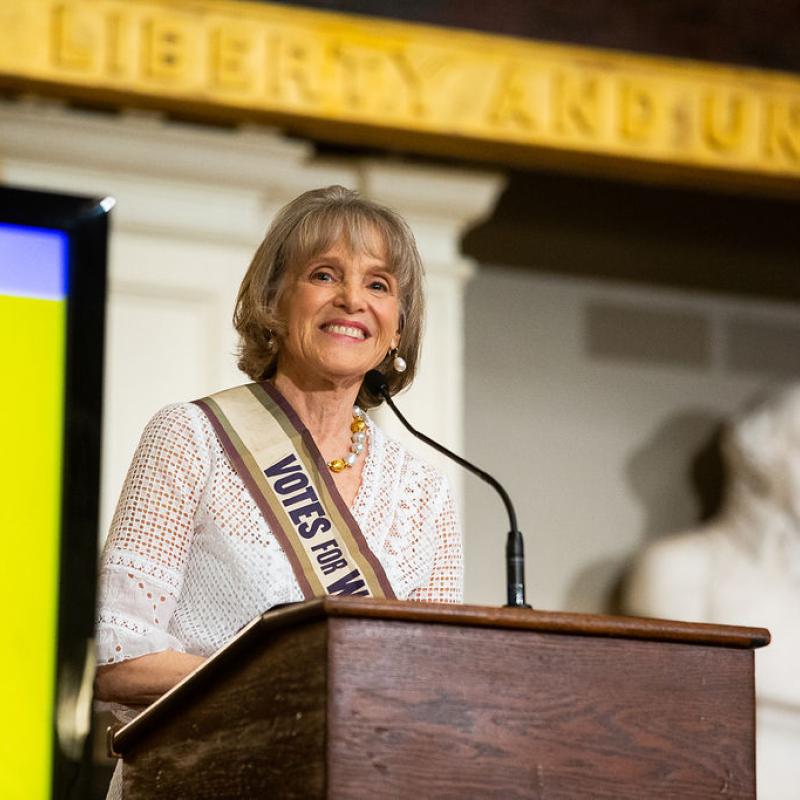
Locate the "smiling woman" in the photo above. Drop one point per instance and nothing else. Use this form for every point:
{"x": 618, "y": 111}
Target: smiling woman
{"x": 282, "y": 489}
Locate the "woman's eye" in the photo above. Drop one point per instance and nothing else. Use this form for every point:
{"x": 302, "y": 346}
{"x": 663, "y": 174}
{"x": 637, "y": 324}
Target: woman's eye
{"x": 379, "y": 286}
{"x": 324, "y": 276}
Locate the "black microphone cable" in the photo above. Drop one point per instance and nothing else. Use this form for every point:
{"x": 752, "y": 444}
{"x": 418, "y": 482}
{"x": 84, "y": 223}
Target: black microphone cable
{"x": 515, "y": 555}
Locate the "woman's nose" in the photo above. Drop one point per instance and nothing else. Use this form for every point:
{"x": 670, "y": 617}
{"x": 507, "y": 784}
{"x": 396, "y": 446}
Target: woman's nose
{"x": 351, "y": 296}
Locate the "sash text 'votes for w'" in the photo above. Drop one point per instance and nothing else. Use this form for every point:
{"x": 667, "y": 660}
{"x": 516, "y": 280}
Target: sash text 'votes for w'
{"x": 310, "y": 521}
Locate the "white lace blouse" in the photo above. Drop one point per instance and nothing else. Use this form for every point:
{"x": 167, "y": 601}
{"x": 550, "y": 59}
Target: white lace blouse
{"x": 190, "y": 559}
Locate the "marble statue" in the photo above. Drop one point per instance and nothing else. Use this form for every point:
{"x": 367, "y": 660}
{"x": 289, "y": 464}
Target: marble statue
{"x": 743, "y": 568}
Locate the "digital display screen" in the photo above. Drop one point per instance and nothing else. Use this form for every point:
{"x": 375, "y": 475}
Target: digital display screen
{"x": 34, "y": 273}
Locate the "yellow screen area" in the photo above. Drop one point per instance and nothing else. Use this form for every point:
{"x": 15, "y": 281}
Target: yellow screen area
{"x": 32, "y": 340}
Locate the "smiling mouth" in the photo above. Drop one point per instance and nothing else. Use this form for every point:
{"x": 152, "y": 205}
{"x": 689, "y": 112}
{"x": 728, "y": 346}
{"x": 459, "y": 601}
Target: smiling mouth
{"x": 345, "y": 330}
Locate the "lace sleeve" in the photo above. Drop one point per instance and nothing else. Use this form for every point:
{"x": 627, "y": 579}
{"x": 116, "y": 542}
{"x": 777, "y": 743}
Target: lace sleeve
{"x": 445, "y": 583}
{"x": 141, "y": 568}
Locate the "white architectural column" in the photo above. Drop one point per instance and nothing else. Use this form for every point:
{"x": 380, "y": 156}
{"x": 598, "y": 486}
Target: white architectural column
{"x": 192, "y": 205}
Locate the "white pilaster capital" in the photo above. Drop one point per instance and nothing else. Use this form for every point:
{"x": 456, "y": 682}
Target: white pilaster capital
{"x": 440, "y": 203}
{"x": 147, "y": 144}
{"x": 453, "y": 195}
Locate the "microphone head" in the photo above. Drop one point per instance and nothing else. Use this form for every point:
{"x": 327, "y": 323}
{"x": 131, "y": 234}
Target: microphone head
{"x": 376, "y": 383}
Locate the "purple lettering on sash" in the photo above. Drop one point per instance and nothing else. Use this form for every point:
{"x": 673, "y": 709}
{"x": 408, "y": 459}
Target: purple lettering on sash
{"x": 308, "y": 530}
{"x": 326, "y": 558}
{"x": 349, "y": 584}
{"x": 283, "y": 466}
{"x": 297, "y": 514}
{"x": 290, "y": 483}
{"x": 327, "y": 569}
{"x": 325, "y": 545}
{"x": 308, "y": 494}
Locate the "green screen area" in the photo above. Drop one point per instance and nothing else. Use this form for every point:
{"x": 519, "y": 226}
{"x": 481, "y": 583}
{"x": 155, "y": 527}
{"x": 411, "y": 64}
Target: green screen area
{"x": 32, "y": 347}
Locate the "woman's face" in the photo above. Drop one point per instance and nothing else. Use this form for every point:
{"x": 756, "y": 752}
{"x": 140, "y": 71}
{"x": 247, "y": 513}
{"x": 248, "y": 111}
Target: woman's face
{"x": 342, "y": 314}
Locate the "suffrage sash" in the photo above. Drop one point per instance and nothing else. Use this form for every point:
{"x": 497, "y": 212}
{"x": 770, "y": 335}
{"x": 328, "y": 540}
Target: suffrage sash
{"x": 282, "y": 468}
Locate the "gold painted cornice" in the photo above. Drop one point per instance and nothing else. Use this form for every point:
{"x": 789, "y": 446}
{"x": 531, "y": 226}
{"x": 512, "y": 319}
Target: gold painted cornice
{"x": 413, "y": 87}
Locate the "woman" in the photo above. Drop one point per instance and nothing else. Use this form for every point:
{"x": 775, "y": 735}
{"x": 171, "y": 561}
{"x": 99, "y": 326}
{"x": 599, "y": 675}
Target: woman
{"x": 207, "y": 536}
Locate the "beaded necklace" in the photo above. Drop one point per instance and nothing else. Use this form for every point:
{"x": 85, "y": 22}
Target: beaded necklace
{"x": 359, "y": 436}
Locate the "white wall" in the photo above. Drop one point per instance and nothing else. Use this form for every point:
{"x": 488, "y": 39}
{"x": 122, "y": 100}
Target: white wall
{"x": 588, "y": 401}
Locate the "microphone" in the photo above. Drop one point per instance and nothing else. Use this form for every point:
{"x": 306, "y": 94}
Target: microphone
{"x": 515, "y": 557}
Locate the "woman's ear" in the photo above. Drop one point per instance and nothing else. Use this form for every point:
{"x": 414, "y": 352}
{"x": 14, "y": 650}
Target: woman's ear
{"x": 398, "y": 334}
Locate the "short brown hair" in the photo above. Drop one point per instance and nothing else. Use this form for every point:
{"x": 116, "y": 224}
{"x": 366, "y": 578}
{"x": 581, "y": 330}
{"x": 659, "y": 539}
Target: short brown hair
{"x": 302, "y": 230}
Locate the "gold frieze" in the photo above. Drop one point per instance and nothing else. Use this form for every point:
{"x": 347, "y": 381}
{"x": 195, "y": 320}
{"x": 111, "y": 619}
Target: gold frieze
{"x": 417, "y": 87}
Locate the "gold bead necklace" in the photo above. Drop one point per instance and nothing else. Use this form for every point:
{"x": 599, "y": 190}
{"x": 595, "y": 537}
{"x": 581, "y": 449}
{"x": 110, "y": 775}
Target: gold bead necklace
{"x": 358, "y": 430}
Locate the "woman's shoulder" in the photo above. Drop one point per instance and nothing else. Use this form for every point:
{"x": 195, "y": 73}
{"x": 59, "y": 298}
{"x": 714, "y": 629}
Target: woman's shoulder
{"x": 182, "y": 425}
{"x": 403, "y": 464}
{"x": 188, "y": 417}
{"x": 178, "y": 418}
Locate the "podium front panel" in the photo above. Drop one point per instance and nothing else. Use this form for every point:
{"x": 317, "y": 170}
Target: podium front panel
{"x": 455, "y": 712}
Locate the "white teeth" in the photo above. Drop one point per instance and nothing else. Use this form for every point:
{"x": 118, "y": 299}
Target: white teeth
{"x": 346, "y": 330}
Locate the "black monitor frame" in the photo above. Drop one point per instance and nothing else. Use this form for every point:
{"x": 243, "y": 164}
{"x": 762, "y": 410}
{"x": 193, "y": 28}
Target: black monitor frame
{"x": 85, "y": 222}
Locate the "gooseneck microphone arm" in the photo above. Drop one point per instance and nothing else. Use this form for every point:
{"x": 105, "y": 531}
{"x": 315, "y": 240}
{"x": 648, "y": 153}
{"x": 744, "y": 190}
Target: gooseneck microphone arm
{"x": 515, "y": 555}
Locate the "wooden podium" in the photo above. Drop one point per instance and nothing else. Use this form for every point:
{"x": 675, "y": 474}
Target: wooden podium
{"x": 348, "y": 698}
